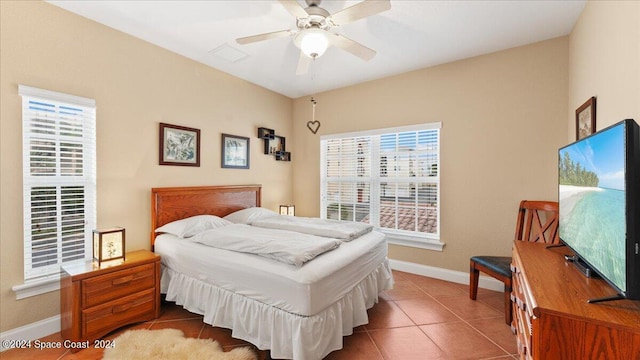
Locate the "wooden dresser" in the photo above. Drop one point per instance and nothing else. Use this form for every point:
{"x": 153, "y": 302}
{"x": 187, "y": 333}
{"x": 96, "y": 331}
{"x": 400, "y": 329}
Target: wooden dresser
{"x": 551, "y": 316}
{"x": 95, "y": 301}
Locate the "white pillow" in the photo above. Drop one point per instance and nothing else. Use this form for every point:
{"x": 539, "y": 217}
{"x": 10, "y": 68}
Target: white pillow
{"x": 246, "y": 216}
{"x": 191, "y": 226}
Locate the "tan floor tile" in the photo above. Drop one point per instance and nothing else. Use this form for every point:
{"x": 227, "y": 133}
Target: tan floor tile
{"x": 32, "y": 353}
{"x": 437, "y": 287}
{"x": 493, "y": 299}
{"x": 399, "y": 275}
{"x": 360, "y": 328}
{"x": 403, "y": 289}
{"x": 358, "y": 346}
{"x": 408, "y": 343}
{"x": 385, "y": 315}
{"x": 468, "y": 309}
{"x": 426, "y": 311}
{"x": 171, "y": 311}
{"x": 499, "y": 332}
{"x": 465, "y": 288}
{"x": 221, "y": 335}
{"x": 85, "y": 354}
{"x": 460, "y": 341}
{"x": 191, "y": 328}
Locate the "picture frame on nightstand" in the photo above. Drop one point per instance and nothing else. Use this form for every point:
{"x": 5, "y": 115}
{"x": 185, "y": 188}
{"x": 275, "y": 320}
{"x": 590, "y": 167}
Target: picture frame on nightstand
{"x": 108, "y": 245}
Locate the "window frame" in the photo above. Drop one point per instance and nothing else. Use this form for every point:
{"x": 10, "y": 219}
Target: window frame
{"x": 374, "y": 179}
{"x": 72, "y": 141}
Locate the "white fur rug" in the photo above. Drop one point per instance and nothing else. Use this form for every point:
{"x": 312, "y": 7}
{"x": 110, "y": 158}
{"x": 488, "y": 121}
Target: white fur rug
{"x": 170, "y": 344}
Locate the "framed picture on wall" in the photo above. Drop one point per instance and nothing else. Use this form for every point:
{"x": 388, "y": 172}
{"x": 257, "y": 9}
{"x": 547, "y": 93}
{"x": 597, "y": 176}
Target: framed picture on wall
{"x": 586, "y": 119}
{"x": 235, "y": 152}
{"x": 179, "y": 145}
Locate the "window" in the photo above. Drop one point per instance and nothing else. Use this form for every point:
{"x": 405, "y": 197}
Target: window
{"x": 389, "y": 178}
{"x": 59, "y": 179}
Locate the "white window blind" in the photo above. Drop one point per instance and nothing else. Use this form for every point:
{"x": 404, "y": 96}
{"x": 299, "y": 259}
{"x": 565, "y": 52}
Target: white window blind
{"x": 388, "y": 178}
{"x": 59, "y": 179}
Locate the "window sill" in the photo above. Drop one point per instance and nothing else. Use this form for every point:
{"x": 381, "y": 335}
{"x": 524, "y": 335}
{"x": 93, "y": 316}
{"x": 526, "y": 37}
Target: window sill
{"x": 414, "y": 241}
{"x": 37, "y": 287}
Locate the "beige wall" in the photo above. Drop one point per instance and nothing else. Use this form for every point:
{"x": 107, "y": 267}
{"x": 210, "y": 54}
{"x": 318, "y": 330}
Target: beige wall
{"x": 604, "y": 61}
{"x": 136, "y": 85}
{"x": 503, "y": 119}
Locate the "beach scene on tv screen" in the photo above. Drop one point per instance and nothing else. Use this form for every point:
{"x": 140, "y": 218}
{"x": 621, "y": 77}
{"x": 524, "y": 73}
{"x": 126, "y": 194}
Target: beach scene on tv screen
{"x": 592, "y": 202}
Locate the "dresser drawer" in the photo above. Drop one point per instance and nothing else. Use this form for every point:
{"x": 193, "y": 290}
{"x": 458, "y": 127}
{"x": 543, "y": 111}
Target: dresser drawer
{"x": 101, "y": 319}
{"x": 104, "y": 288}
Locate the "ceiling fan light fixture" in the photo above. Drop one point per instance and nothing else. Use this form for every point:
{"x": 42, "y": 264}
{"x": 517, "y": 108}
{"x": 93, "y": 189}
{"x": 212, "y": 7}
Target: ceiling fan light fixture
{"x": 312, "y": 42}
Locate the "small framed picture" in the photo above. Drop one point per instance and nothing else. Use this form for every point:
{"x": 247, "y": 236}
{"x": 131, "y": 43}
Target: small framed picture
{"x": 179, "y": 145}
{"x": 586, "y": 119}
{"x": 235, "y": 152}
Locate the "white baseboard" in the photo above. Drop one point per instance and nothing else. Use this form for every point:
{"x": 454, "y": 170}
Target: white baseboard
{"x": 445, "y": 274}
{"x": 51, "y": 325}
{"x": 31, "y": 331}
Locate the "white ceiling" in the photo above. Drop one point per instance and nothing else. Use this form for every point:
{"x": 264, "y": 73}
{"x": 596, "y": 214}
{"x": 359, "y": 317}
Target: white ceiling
{"x": 412, "y": 35}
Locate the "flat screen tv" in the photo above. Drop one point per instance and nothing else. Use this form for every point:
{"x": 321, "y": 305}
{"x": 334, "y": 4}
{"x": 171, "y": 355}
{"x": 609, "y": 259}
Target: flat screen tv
{"x": 599, "y": 197}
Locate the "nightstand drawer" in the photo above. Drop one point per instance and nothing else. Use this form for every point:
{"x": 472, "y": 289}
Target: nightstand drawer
{"x": 100, "y": 319}
{"x": 96, "y": 300}
{"x": 103, "y": 288}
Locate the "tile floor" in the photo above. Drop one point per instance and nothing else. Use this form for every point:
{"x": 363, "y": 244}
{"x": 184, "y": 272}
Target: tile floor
{"x": 421, "y": 318}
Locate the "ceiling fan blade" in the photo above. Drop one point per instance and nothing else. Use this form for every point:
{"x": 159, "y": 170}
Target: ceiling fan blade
{"x": 294, "y": 8}
{"x": 303, "y": 64}
{"x": 359, "y": 11}
{"x": 262, "y": 37}
{"x": 351, "y": 46}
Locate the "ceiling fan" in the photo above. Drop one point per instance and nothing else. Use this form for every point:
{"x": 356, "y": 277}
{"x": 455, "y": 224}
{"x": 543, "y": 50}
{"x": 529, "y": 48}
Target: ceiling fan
{"x": 313, "y": 23}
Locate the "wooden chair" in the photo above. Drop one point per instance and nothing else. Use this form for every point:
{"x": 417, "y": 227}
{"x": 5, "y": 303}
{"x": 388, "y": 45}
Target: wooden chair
{"x": 529, "y": 227}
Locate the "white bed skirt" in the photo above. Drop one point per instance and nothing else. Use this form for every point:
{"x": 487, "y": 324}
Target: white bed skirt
{"x": 286, "y": 335}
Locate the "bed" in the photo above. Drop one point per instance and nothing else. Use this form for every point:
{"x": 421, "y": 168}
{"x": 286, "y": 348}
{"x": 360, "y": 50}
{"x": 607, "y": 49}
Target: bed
{"x": 294, "y": 312}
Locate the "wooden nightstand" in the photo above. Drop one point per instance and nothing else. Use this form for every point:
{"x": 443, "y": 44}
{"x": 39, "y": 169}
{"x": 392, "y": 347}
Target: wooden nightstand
{"x": 95, "y": 301}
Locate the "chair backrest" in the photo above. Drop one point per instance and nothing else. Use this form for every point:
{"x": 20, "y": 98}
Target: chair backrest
{"x": 538, "y": 222}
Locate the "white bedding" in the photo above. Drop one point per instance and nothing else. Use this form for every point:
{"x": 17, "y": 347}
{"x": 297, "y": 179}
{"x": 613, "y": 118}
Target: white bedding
{"x": 304, "y": 291}
{"x": 285, "y": 246}
{"x": 298, "y": 313}
{"x": 343, "y": 230}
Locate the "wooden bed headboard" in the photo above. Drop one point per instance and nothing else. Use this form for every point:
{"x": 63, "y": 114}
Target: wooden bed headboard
{"x": 174, "y": 203}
